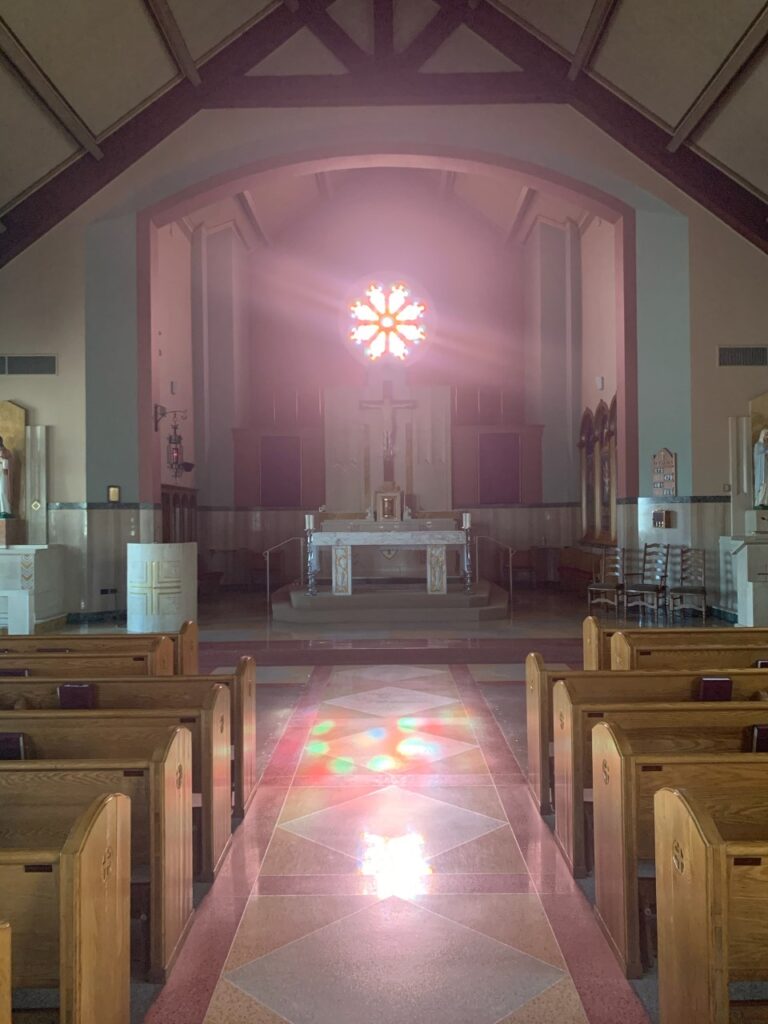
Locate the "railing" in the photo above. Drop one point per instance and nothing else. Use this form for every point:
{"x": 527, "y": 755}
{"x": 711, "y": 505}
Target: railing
{"x": 302, "y": 562}
{"x": 502, "y": 548}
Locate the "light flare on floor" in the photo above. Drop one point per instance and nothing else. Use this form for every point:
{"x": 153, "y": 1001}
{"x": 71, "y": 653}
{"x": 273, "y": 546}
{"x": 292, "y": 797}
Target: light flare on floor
{"x": 396, "y": 864}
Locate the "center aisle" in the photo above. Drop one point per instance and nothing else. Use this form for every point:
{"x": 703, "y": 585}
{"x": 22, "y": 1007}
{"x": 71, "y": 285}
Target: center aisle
{"x": 391, "y": 869}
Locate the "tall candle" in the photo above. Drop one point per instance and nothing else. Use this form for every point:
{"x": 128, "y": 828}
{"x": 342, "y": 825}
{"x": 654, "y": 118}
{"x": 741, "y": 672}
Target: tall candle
{"x": 309, "y": 521}
{"x": 466, "y": 520}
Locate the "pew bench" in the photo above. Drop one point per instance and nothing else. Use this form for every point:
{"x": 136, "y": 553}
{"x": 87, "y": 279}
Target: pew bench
{"x": 712, "y": 890}
{"x": 127, "y": 732}
{"x": 157, "y": 660}
{"x": 64, "y": 889}
{"x": 603, "y": 685}
{"x": 574, "y": 720}
{"x": 159, "y": 786}
{"x": 643, "y": 653}
{"x": 164, "y": 692}
{"x": 597, "y": 638}
{"x": 629, "y": 768}
{"x": 185, "y": 645}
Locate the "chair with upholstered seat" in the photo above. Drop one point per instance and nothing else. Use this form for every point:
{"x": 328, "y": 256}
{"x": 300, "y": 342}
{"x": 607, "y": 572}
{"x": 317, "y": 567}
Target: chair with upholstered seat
{"x": 607, "y": 588}
{"x": 648, "y": 587}
{"x": 691, "y": 591}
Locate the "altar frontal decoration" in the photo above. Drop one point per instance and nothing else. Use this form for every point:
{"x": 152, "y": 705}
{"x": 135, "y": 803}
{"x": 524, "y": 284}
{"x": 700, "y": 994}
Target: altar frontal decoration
{"x": 387, "y": 322}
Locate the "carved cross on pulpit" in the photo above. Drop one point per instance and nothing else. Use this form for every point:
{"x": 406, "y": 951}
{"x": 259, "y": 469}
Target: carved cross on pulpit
{"x": 389, "y": 407}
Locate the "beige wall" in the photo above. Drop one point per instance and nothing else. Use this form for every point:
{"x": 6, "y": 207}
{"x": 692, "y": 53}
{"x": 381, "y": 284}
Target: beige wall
{"x": 598, "y": 313}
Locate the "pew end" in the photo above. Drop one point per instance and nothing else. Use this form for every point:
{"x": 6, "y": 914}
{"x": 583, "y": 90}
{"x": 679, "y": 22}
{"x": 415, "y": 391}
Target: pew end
{"x": 5, "y": 972}
{"x": 537, "y": 716}
{"x": 187, "y": 654}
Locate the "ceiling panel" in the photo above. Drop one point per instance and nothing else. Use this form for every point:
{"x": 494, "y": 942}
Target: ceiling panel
{"x": 281, "y": 201}
{"x": 33, "y": 143}
{"x": 411, "y": 16}
{"x": 205, "y": 24}
{"x": 738, "y": 135}
{"x": 465, "y": 51}
{"x": 356, "y": 18}
{"x": 561, "y": 20}
{"x": 493, "y": 198}
{"x": 104, "y": 56}
{"x": 303, "y": 50}
{"x": 662, "y": 54}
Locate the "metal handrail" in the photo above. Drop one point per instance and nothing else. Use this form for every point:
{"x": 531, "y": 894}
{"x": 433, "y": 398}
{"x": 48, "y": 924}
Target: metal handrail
{"x": 511, "y": 552}
{"x": 275, "y": 547}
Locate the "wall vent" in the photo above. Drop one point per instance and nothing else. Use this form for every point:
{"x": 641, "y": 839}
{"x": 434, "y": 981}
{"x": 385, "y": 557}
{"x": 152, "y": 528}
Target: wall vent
{"x": 736, "y": 355}
{"x": 28, "y": 365}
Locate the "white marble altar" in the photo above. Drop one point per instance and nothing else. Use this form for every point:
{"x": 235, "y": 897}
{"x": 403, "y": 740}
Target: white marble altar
{"x": 341, "y": 542}
{"x": 161, "y": 586}
{"x": 38, "y": 572}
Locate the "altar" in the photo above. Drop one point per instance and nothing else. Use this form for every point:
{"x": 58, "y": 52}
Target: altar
{"x": 342, "y": 536}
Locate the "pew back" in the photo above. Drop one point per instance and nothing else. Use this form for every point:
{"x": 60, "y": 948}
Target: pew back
{"x": 574, "y": 720}
{"x": 159, "y": 787}
{"x": 185, "y": 645}
{"x": 70, "y": 912}
{"x": 597, "y": 638}
{"x": 156, "y": 660}
{"x": 735, "y": 650}
{"x": 712, "y": 888}
{"x": 628, "y": 772}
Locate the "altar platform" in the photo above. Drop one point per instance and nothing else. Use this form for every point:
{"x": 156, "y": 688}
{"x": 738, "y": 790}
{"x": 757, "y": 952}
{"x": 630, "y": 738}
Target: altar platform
{"x": 391, "y": 602}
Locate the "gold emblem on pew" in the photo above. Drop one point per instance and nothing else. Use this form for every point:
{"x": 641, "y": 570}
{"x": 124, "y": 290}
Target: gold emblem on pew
{"x": 678, "y": 859}
{"x": 606, "y": 772}
{"x": 179, "y": 776}
{"x": 106, "y": 864}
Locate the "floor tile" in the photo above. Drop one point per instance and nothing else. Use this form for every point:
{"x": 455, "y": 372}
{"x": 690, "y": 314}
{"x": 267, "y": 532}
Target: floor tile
{"x": 392, "y": 701}
{"x": 560, "y": 1003}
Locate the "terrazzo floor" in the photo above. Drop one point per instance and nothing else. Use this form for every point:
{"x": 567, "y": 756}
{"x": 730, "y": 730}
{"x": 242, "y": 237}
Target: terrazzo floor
{"x": 392, "y": 868}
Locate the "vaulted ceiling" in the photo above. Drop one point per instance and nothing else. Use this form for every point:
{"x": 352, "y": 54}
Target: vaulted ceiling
{"x": 88, "y": 86}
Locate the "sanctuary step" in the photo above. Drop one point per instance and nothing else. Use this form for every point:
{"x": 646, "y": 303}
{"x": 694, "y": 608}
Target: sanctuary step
{"x": 388, "y": 602}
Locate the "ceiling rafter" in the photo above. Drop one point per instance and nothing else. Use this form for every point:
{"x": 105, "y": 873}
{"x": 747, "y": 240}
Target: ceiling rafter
{"x": 175, "y": 42}
{"x": 704, "y": 182}
{"x": 29, "y": 73}
{"x": 592, "y": 36}
{"x": 522, "y": 207}
{"x": 245, "y": 201}
{"x": 737, "y": 61}
{"x": 432, "y": 36}
{"x": 332, "y": 35}
{"x": 404, "y": 87}
{"x": 383, "y": 30}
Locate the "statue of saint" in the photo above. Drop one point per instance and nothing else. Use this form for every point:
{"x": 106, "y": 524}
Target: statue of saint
{"x": 760, "y": 454}
{"x": 6, "y": 460}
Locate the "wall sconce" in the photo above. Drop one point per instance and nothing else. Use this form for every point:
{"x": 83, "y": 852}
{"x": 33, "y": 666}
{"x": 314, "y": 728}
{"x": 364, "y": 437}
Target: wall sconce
{"x": 174, "y": 452}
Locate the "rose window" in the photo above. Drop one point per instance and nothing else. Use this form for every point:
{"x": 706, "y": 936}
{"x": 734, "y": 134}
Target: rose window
{"x": 387, "y": 321}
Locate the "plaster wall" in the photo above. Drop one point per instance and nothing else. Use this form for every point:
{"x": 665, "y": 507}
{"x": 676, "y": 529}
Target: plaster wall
{"x": 598, "y": 313}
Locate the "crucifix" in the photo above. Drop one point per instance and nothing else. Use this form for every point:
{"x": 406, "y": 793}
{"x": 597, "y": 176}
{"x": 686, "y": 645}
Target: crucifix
{"x": 389, "y": 407}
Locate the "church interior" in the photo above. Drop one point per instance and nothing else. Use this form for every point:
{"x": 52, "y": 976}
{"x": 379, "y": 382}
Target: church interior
{"x": 383, "y": 511}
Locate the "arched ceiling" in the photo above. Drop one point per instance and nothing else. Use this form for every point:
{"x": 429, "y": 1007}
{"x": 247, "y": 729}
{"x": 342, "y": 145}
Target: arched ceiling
{"x": 88, "y": 86}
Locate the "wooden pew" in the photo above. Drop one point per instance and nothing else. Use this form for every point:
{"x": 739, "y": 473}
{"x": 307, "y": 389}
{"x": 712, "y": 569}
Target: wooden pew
{"x": 156, "y": 661}
{"x": 170, "y": 692}
{"x": 539, "y": 682}
{"x": 597, "y": 638}
{"x": 64, "y": 888}
{"x": 126, "y": 733}
{"x": 641, "y": 653}
{"x": 5, "y": 973}
{"x": 184, "y": 643}
{"x": 159, "y": 786}
{"x": 629, "y": 767}
{"x": 712, "y": 889}
{"x": 574, "y": 720}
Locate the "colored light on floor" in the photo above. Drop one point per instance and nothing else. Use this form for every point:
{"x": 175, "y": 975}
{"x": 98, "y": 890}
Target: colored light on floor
{"x": 408, "y": 724}
{"x": 412, "y": 746}
{"x": 382, "y": 763}
{"x": 317, "y": 747}
{"x": 341, "y": 766}
{"x": 323, "y": 727}
{"x": 377, "y": 733}
{"x": 396, "y": 864}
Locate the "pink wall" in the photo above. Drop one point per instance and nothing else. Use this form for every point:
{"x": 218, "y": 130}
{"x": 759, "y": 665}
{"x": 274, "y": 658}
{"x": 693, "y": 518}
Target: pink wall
{"x": 384, "y": 225}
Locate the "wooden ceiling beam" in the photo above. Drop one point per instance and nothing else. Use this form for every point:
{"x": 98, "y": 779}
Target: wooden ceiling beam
{"x": 592, "y": 36}
{"x": 333, "y": 36}
{"x": 175, "y": 42}
{"x": 383, "y": 30}
{"x": 522, "y": 207}
{"x": 750, "y": 44}
{"x": 28, "y": 72}
{"x": 432, "y": 36}
{"x": 246, "y": 204}
{"x": 404, "y": 87}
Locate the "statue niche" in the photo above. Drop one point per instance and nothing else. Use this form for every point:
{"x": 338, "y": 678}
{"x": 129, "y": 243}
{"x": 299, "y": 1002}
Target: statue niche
{"x": 597, "y": 443}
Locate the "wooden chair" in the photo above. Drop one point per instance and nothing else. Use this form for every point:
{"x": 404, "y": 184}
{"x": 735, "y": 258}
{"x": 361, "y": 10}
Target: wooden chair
{"x": 607, "y": 588}
{"x": 691, "y": 591}
{"x": 650, "y": 590}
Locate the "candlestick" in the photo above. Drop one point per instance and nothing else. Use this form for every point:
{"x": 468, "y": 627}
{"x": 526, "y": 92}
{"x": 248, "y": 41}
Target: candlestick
{"x": 466, "y": 520}
{"x": 309, "y": 521}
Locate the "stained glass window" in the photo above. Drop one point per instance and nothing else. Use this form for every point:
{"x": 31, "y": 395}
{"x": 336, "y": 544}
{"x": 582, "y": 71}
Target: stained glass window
{"x": 387, "y": 321}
